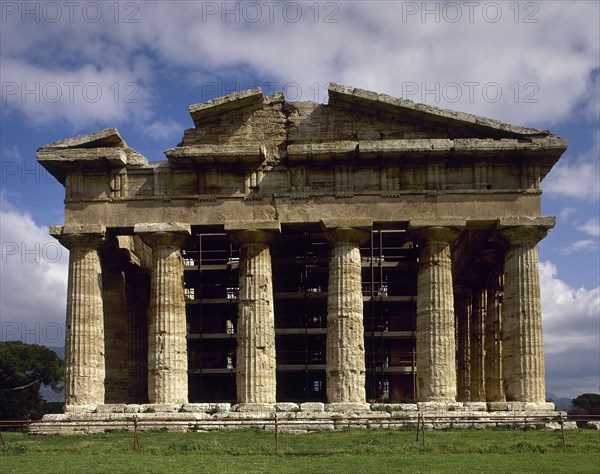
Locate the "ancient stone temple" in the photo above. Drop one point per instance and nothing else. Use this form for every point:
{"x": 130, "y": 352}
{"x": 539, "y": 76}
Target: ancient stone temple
{"x": 365, "y": 250}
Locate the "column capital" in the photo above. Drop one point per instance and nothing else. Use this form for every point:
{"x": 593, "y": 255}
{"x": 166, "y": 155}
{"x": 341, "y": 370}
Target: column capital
{"x": 427, "y": 234}
{"x": 343, "y": 235}
{"x": 163, "y": 235}
{"x": 253, "y": 232}
{"x": 353, "y": 231}
{"x": 81, "y": 236}
{"x": 523, "y": 234}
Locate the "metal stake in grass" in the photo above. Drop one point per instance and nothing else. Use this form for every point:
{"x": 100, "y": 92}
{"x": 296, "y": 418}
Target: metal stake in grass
{"x": 276, "y": 434}
{"x": 418, "y": 426}
{"x": 136, "y": 438}
{"x": 562, "y": 430}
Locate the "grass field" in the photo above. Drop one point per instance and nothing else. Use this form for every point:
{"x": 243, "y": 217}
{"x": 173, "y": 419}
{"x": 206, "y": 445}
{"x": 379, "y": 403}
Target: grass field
{"x": 348, "y": 451}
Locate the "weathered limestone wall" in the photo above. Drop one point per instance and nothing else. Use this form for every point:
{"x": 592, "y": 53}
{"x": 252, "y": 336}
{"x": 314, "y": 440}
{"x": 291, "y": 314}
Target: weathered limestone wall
{"x": 345, "y": 363}
{"x": 262, "y": 123}
{"x": 392, "y": 208}
{"x": 84, "y": 347}
{"x": 255, "y": 368}
{"x": 523, "y": 352}
{"x": 167, "y": 344}
{"x": 305, "y": 417}
{"x": 436, "y": 373}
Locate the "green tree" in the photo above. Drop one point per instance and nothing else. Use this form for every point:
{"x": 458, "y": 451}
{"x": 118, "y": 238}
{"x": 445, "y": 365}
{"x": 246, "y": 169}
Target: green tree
{"x": 23, "y": 368}
{"x": 587, "y": 404}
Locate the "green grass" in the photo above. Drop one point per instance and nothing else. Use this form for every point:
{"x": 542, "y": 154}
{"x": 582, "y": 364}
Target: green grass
{"x": 347, "y": 451}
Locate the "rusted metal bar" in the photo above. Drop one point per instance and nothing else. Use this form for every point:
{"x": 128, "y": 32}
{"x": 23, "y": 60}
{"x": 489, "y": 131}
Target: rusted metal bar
{"x": 276, "y": 434}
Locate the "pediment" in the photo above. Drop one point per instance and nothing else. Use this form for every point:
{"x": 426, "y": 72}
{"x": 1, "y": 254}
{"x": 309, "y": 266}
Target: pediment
{"x": 354, "y": 121}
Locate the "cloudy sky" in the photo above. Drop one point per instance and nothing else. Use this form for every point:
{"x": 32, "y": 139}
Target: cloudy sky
{"x": 68, "y": 68}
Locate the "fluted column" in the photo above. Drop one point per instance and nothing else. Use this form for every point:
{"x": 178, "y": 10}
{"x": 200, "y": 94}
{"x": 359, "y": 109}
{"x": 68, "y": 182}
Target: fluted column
{"x": 493, "y": 338}
{"x": 116, "y": 328}
{"x": 523, "y": 352}
{"x": 137, "y": 297}
{"x": 436, "y": 369}
{"x": 167, "y": 345}
{"x": 463, "y": 306}
{"x": 255, "y": 367}
{"x": 477, "y": 358}
{"x": 84, "y": 347}
{"x": 345, "y": 362}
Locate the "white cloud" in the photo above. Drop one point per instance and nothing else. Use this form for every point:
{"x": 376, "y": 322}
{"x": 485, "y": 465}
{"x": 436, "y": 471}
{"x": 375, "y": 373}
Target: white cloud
{"x": 78, "y": 97}
{"x": 585, "y": 245}
{"x": 566, "y": 212}
{"x": 591, "y": 227}
{"x": 162, "y": 130}
{"x": 543, "y": 69}
{"x": 33, "y": 279}
{"x": 571, "y": 319}
{"x": 578, "y": 177}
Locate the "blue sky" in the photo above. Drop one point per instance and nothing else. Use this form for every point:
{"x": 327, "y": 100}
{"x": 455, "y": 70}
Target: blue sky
{"x": 73, "y": 68}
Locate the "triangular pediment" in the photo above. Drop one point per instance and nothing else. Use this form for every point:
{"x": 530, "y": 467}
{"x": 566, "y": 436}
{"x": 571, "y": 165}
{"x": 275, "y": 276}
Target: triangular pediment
{"x": 438, "y": 120}
{"x": 248, "y": 127}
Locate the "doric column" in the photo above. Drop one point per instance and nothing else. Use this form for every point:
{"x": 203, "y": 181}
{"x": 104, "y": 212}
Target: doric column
{"x": 84, "y": 347}
{"x": 478, "y": 317}
{"x": 523, "y": 352}
{"x": 463, "y": 306}
{"x": 255, "y": 357}
{"x": 345, "y": 361}
{"x": 436, "y": 369}
{"x": 137, "y": 297}
{"x": 116, "y": 327}
{"x": 167, "y": 345}
{"x": 493, "y": 338}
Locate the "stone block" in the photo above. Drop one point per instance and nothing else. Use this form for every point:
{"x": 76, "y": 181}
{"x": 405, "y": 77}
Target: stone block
{"x": 456, "y": 406}
{"x": 497, "y": 406}
{"x": 122, "y": 417}
{"x": 405, "y": 415}
{"x": 207, "y": 407}
{"x": 285, "y": 406}
{"x": 315, "y": 415}
{"x": 475, "y": 406}
{"x": 55, "y": 417}
{"x": 372, "y": 415}
{"x": 201, "y": 416}
{"x": 345, "y": 423}
{"x": 539, "y": 406}
{"x": 111, "y": 408}
{"x": 178, "y": 227}
{"x": 286, "y": 415}
{"x": 432, "y": 406}
{"x": 348, "y": 407}
{"x": 159, "y": 408}
{"x": 245, "y": 415}
{"x": 253, "y": 407}
{"x": 165, "y": 416}
{"x": 80, "y": 408}
{"x": 312, "y": 406}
